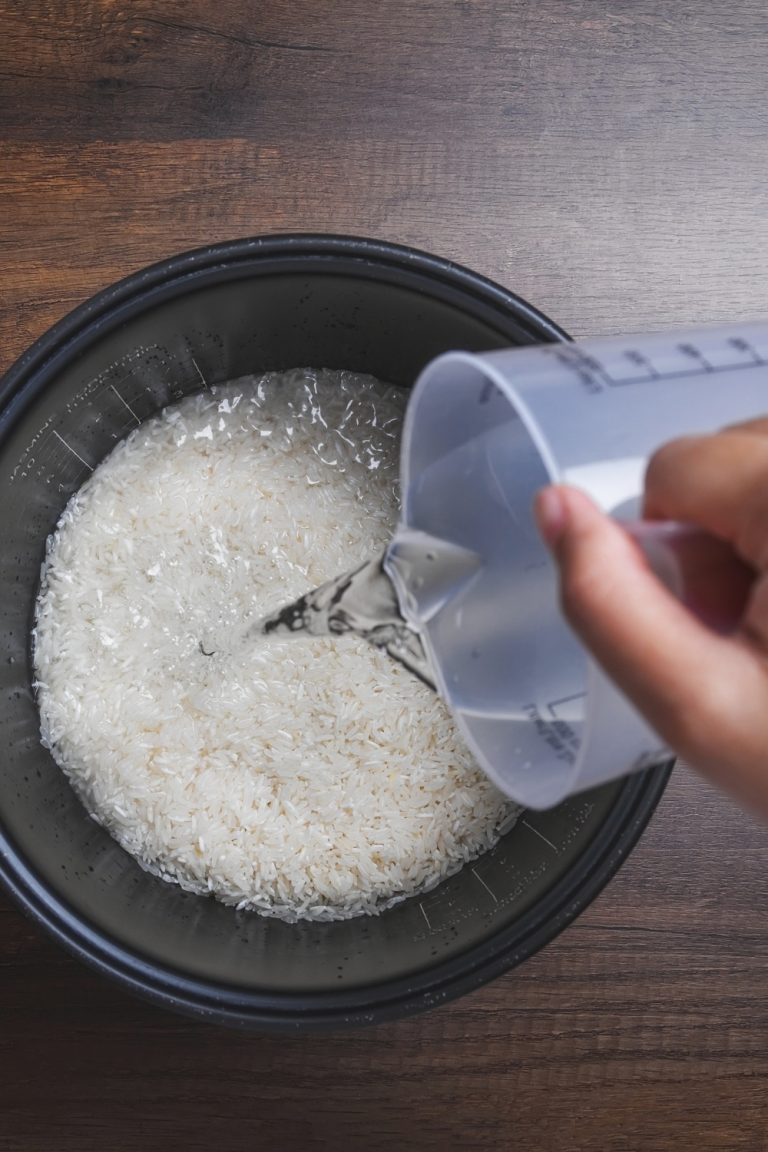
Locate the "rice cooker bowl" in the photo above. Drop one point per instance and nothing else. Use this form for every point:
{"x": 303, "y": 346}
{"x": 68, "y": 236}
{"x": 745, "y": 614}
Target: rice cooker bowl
{"x": 221, "y": 312}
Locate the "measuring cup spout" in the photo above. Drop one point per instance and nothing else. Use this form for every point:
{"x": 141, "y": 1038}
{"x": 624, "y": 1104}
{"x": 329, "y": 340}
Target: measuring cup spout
{"x": 427, "y": 572}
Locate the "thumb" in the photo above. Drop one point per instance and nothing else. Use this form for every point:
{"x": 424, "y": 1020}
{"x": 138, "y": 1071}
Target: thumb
{"x": 683, "y": 678}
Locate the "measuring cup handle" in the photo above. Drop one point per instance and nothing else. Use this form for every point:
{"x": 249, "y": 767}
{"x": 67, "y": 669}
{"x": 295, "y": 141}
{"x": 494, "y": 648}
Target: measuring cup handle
{"x": 702, "y": 571}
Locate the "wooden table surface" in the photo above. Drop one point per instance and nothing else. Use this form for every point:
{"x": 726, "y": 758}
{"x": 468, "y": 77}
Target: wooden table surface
{"x": 609, "y": 162}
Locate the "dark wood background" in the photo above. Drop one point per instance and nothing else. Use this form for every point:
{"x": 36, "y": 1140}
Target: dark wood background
{"x": 608, "y": 161}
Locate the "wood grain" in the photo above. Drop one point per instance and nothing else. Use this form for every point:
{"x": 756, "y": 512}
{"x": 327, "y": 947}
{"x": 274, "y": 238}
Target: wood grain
{"x": 608, "y": 162}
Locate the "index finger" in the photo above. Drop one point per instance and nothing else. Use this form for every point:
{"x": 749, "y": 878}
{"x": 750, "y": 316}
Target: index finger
{"x": 720, "y": 484}
{"x": 756, "y": 427}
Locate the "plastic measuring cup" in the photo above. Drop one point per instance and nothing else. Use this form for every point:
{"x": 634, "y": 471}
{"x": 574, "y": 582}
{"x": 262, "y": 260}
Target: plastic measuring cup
{"x": 482, "y": 434}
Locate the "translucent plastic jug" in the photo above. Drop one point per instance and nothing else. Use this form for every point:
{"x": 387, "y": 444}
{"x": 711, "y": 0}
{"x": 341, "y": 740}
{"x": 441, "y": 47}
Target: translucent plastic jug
{"x": 482, "y": 434}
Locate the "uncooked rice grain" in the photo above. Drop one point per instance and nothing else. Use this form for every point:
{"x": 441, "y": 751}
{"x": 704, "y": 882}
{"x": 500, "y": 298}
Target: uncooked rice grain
{"x": 303, "y": 778}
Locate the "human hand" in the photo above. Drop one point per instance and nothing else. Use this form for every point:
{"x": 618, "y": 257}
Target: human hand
{"x": 705, "y": 693}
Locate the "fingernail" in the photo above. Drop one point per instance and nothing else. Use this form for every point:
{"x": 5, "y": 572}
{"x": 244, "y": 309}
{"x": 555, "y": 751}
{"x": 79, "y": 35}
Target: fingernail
{"x": 551, "y": 515}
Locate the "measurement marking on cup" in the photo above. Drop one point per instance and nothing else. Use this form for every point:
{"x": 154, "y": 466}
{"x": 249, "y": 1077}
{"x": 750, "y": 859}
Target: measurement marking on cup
{"x": 641, "y": 361}
{"x": 695, "y": 353}
{"x": 684, "y": 373}
{"x": 125, "y": 403}
{"x": 426, "y": 918}
{"x": 480, "y": 880}
{"x": 197, "y": 368}
{"x": 553, "y": 704}
{"x": 742, "y": 345}
{"x": 541, "y": 836}
{"x": 69, "y": 446}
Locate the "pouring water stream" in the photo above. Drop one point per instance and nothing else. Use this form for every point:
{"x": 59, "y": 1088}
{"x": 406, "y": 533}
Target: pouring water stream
{"x": 362, "y": 602}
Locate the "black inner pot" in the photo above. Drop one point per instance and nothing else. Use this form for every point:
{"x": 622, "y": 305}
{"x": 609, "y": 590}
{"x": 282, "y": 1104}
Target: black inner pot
{"x": 212, "y": 315}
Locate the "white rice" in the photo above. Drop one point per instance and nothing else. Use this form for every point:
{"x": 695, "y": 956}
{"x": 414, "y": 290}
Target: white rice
{"x": 305, "y": 778}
